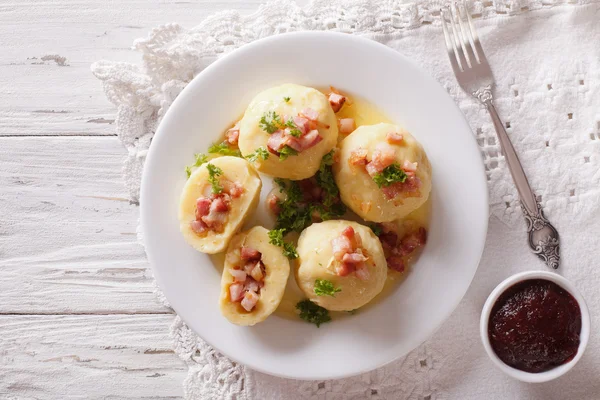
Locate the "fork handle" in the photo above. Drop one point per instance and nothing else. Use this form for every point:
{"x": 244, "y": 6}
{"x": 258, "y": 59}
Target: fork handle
{"x": 512, "y": 160}
{"x": 543, "y": 237}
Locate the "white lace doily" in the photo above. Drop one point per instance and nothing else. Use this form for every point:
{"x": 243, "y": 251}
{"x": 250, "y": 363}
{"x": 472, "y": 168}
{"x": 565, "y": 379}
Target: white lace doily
{"x": 546, "y": 60}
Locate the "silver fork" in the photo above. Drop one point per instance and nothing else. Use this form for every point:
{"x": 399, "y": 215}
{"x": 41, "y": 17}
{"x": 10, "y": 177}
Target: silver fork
{"x": 474, "y": 76}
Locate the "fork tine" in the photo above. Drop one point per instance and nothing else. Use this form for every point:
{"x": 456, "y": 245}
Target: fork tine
{"x": 450, "y": 45}
{"x": 467, "y": 41}
{"x": 475, "y": 38}
{"x": 458, "y": 46}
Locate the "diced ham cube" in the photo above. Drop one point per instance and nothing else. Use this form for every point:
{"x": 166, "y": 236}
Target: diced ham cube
{"x": 354, "y": 258}
{"x": 347, "y": 125}
{"x": 408, "y": 166}
{"x": 215, "y": 219}
{"x": 413, "y": 241}
{"x": 202, "y": 207}
{"x": 310, "y": 114}
{"x": 389, "y": 239}
{"x": 276, "y": 142}
{"x": 344, "y": 269}
{"x": 250, "y": 254}
{"x": 251, "y": 285}
{"x": 358, "y": 157}
{"x": 302, "y": 123}
{"x": 198, "y": 226}
{"x": 383, "y": 157}
{"x": 336, "y": 101}
{"x": 309, "y": 140}
{"x": 273, "y": 203}
{"x": 293, "y": 142}
{"x": 341, "y": 245}
{"x": 396, "y": 263}
{"x": 238, "y": 275}
{"x": 394, "y": 138}
{"x": 219, "y": 205}
{"x": 236, "y": 292}
{"x": 232, "y": 135}
{"x": 249, "y": 301}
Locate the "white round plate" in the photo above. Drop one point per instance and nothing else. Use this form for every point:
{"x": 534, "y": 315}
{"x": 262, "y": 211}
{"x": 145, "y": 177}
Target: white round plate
{"x": 436, "y": 283}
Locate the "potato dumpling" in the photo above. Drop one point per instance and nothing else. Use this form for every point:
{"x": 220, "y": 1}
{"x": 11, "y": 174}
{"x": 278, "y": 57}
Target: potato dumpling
{"x": 362, "y": 152}
{"x": 208, "y": 220}
{"x": 347, "y": 257}
{"x": 287, "y": 103}
{"x": 254, "y": 278}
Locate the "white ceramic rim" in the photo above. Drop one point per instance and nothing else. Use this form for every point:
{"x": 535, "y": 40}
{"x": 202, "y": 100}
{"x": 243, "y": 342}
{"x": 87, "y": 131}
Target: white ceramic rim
{"x": 583, "y": 337}
{"x": 478, "y": 207}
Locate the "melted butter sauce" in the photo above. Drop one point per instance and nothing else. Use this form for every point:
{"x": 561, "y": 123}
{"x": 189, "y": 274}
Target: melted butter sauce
{"x": 364, "y": 113}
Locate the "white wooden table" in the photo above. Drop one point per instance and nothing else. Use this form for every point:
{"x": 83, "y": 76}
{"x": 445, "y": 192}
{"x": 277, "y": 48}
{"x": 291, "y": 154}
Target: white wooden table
{"x": 78, "y": 317}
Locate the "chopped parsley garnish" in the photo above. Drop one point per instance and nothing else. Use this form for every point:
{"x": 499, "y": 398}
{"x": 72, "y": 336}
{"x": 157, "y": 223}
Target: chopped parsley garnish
{"x": 200, "y": 159}
{"x": 323, "y": 287}
{"x": 270, "y": 122}
{"x": 294, "y": 131}
{"x": 213, "y": 173}
{"x": 287, "y": 99}
{"x": 276, "y": 238}
{"x": 376, "y": 228}
{"x": 390, "y": 175}
{"x": 286, "y": 152}
{"x": 296, "y": 213}
{"x": 224, "y": 149}
{"x": 310, "y": 312}
{"x": 261, "y": 153}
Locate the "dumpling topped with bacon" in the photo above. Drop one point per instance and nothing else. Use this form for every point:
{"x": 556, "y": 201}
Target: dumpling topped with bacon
{"x": 286, "y": 130}
{"x": 383, "y": 173}
{"x": 254, "y": 278}
{"x": 341, "y": 265}
{"x": 216, "y": 201}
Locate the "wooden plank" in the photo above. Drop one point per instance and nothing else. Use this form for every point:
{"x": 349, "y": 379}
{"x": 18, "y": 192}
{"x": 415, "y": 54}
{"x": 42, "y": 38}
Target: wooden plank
{"x": 68, "y": 233}
{"x": 92, "y": 357}
{"x": 46, "y": 87}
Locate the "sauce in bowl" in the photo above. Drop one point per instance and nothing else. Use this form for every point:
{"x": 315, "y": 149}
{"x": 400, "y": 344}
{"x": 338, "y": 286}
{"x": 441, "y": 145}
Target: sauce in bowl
{"x": 535, "y": 326}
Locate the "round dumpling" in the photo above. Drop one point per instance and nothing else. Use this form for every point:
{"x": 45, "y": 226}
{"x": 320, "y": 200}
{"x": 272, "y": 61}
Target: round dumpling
{"x": 294, "y": 125}
{"x": 341, "y": 265}
{"x": 383, "y": 173}
{"x": 254, "y": 278}
{"x": 210, "y": 214}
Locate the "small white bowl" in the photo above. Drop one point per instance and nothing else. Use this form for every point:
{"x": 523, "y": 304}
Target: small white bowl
{"x": 583, "y": 337}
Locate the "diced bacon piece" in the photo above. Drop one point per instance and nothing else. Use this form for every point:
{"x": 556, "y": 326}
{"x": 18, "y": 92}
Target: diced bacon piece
{"x": 408, "y": 166}
{"x": 396, "y": 263}
{"x": 362, "y": 272}
{"x": 249, "y": 301}
{"x": 344, "y": 269}
{"x": 293, "y": 142}
{"x": 198, "y": 226}
{"x": 233, "y": 189}
{"x": 236, "y": 292}
{"x": 348, "y": 232}
{"x": 219, "y": 205}
{"x": 238, "y": 275}
{"x": 372, "y": 170}
{"x": 354, "y": 258}
{"x": 413, "y": 241}
{"x": 309, "y": 140}
{"x": 393, "y": 190}
{"x": 257, "y": 272}
{"x": 202, "y": 207}
{"x": 340, "y": 246}
{"x": 215, "y": 219}
{"x": 251, "y": 285}
{"x": 302, "y": 123}
{"x": 249, "y": 254}
{"x": 347, "y": 125}
{"x": 273, "y": 203}
{"x": 336, "y": 101}
{"x": 358, "y": 157}
{"x": 355, "y": 240}
{"x": 310, "y": 114}
{"x": 232, "y": 135}
{"x": 389, "y": 239}
{"x": 276, "y": 142}
{"x": 383, "y": 157}
{"x": 394, "y": 138}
